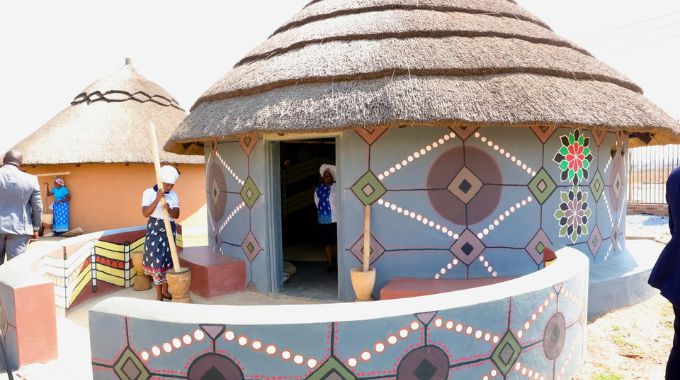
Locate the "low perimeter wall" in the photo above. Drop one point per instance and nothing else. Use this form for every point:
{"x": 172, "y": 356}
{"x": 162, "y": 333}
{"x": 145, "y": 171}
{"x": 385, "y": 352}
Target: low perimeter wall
{"x": 531, "y": 327}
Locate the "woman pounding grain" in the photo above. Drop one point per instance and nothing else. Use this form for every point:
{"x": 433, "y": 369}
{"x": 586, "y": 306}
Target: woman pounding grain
{"x": 157, "y": 259}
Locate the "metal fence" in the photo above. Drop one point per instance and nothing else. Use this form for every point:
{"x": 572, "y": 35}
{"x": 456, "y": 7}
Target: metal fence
{"x": 648, "y": 169}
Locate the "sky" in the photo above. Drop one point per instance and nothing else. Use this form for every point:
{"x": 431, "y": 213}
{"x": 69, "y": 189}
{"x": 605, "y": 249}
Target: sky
{"x": 52, "y": 50}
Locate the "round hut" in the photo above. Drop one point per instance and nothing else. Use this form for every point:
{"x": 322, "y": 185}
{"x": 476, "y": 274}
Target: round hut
{"x": 100, "y": 146}
{"x": 478, "y": 136}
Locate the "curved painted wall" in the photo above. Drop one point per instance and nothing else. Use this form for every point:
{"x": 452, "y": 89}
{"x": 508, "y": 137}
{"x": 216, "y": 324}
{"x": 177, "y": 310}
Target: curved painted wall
{"x": 447, "y": 203}
{"x": 532, "y": 327}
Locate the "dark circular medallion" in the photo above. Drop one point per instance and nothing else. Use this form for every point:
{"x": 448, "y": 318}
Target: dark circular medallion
{"x": 465, "y": 176}
{"x": 553, "y": 336}
{"x": 214, "y": 366}
{"x": 424, "y": 363}
{"x": 217, "y": 192}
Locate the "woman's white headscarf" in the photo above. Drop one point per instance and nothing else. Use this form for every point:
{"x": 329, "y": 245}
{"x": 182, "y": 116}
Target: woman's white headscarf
{"x": 327, "y": 168}
{"x": 169, "y": 174}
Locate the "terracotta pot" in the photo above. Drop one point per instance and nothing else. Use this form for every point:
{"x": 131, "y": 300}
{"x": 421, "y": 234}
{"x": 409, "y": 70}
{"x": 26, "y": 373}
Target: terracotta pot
{"x": 179, "y": 285}
{"x": 363, "y": 283}
{"x": 142, "y": 281}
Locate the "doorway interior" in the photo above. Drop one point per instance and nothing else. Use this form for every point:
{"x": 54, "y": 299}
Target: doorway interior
{"x": 305, "y": 271}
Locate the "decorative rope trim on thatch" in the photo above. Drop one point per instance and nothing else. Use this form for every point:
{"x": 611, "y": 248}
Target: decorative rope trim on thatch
{"x": 410, "y": 34}
{"x": 483, "y": 72}
{"x": 378, "y": 8}
{"x": 138, "y": 96}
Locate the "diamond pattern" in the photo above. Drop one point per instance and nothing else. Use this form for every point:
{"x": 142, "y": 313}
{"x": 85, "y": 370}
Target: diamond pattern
{"x": 251, "y": 247}
{"x": 370, "y": 135}
{"x": 377, "y": 249}
{"x": 368, "y": 189}
{"x": 597, "y": 186}
{"x": 465, "y": 185}
{"x": 543, "y": 132}
{"x": 506, "y": 353}
{"x": 425, "y": 370}
{"x": 467, "y": 248}
{"x": 595, "y": 241}
{"x": 332, "y": 369}
{"x": 598, "y": 135}
{"x": 542, "y": 186}
{"x": 463, "y": 132}
{"x": 129, "y": 367}
{"x": 247, "y": 143}
{"x": 536, "y": 246}
{"x": 250, "y": 193}
{"x": 213, "y": 331}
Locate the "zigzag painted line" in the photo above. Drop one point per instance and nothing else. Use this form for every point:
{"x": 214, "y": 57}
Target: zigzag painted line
{"x": 418, "y": 217}
{"x": 503, "y": 152}
{"x": 417, "y": 154}
{"x": 231, "y": 216}
{"x": 233, "y": 174}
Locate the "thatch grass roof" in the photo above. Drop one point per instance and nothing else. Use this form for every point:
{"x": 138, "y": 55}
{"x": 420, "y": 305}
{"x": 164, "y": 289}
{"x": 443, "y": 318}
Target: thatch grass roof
{"x": 106, "y": 123}
{"x": 355, "y": 63}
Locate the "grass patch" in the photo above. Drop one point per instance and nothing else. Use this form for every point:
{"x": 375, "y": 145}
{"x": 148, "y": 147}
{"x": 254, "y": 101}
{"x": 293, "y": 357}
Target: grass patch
{"x": 607, "y": 376}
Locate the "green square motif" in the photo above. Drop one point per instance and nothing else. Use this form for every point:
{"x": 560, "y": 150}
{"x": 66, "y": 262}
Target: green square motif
{"x": 368, "y": 189}
{"x": 250, "y": 193}
{"x": 542, "y": 186}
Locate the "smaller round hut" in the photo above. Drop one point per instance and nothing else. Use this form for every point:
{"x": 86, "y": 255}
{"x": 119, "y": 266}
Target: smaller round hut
{"x": 100, "y": 145}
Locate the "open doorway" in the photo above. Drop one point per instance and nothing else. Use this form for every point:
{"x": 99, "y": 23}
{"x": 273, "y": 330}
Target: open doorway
{"x": 306, "y": 270}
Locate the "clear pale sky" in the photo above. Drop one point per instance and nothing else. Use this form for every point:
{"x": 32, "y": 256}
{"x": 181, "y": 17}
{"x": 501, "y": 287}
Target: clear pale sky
{"x": 51, "y": 50}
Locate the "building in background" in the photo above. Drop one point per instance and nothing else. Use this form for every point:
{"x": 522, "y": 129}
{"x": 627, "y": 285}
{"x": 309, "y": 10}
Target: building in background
{"x": 101, "y": 140}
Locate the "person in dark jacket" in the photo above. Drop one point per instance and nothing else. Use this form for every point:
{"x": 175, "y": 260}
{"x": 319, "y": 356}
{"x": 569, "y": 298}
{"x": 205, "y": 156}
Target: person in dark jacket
{"x": 666, "y": 273}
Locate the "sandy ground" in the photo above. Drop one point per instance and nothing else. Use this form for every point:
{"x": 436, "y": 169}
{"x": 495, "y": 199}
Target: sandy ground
{"x": 629, "y": 343}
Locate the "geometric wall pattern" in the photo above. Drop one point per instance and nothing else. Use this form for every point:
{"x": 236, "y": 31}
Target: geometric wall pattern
{"x": 471, "y": 203}
{"x": 537, "y": 335}
{"x": 447, "y": 202}
{"x": 233, "y": 194}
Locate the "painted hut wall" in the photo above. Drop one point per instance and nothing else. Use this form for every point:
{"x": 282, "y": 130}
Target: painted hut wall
{"x": 237, "y": 208}
{"x": 109, "y": 196}
{"x": 535, "y": 325}
{"x": 508, "y": 200}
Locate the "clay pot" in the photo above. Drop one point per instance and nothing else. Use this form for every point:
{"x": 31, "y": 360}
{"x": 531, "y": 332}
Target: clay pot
{"x": 179, "y": 285}
{"x": 363, "y": 283}
{"x": 142, "y": 281}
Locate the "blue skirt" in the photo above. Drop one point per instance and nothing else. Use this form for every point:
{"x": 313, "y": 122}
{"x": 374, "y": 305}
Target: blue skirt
{"x": 61, "y": 216}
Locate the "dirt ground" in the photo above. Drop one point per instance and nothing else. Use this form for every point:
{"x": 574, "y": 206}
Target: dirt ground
{"x": 630, "y": 343}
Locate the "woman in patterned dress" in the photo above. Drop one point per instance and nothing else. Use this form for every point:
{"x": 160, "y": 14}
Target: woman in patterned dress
{"x": 324, "y": 197}
{"x": 157, "y": 259}
{"x": 60, "y": 207}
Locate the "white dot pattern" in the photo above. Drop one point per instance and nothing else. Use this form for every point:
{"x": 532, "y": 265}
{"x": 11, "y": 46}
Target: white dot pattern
{"x": 229, "y": 169}
{"x": 420, "y": 218}
{"x": 232, "y": 215}
{"x": 416, "y": 155}
{"x": 503, "y": 152}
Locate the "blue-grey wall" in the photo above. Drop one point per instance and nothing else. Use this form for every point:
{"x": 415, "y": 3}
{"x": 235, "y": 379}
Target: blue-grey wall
{"x": 447, "y": 203}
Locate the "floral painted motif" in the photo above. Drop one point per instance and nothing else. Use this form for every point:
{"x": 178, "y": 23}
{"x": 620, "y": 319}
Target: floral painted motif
{"x": 574, "y": 157}
{"x": 573, "y": 214}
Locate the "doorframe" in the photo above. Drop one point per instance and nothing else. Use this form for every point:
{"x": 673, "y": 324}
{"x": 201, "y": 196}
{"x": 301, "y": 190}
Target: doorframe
{"x": 272, "y": 143}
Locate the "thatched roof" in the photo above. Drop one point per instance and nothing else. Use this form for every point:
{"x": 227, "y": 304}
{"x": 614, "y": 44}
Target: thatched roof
{"x": 107, "y": 122}
{"x": 354, "y": 63}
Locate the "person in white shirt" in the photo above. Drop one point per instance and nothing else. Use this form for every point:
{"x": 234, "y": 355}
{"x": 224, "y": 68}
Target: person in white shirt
{"x": 157, "y": 259}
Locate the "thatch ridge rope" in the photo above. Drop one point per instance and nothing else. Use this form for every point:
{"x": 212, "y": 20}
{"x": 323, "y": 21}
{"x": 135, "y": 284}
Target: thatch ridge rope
{"x": 409, "y": 34}
{"x": 481, "y": 72}
{"x": 98, "y": 96}
{"x": 378, "y": 8}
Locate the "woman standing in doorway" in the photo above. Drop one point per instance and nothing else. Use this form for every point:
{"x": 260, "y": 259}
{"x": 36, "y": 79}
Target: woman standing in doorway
{"x": 324, "y": 198}
{"x": 60, "y": 207}
{"x": 157, "y": 259}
